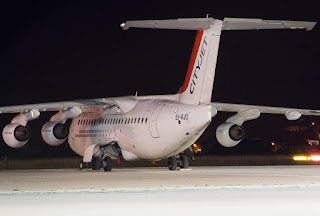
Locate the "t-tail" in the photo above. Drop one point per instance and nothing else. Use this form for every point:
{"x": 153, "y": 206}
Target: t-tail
{"x": 198, "y": 83}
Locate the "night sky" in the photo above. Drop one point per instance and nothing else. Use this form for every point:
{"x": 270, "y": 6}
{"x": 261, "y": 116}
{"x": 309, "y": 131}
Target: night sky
{"x": 67, "y": 50}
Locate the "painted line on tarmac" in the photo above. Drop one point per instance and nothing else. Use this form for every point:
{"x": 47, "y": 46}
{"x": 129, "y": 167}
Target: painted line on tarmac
{"x": 137, "y": 190}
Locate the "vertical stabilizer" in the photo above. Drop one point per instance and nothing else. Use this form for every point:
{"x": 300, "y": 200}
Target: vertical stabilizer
{"x": 198, "y": 84}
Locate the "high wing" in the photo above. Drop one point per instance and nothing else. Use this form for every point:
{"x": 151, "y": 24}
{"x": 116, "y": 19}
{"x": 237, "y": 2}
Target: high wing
{"x": 57, "y": 106}
{"x": 290, "y": 113}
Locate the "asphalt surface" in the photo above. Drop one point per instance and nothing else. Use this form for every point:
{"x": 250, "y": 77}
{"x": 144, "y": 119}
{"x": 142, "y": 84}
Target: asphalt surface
{"x": 262, "y": 190}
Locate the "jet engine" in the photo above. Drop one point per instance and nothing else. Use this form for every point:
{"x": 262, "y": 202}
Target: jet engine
{"x": 229, "y": 134}
{"x": 54, "y": 133}
{"x": 16, "y": 135}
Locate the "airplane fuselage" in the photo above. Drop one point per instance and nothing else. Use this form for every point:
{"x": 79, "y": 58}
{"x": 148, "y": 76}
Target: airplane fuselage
{"x": 153, "y": 129}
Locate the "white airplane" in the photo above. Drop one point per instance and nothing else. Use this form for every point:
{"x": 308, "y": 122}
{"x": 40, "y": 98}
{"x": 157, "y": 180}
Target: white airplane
{"x": 152, "y": 127}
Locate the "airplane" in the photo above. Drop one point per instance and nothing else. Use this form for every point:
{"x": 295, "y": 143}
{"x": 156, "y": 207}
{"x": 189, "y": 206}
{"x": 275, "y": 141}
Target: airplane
{"x": 152, "y": 127}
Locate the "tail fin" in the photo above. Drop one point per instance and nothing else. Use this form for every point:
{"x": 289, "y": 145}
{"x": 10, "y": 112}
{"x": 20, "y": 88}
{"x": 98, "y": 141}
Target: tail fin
{"x": 198, "y": 84}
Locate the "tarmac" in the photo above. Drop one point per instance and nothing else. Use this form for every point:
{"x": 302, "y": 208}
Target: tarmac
{"x": 228, "y": 190}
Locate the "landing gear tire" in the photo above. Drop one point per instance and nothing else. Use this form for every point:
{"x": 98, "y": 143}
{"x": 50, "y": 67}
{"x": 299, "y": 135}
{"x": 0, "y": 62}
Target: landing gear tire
{"x": 96, "y": 163}
{"x": 85, "y": 165}
{"x": 184, "y": 163}
{"x": 172, "y": 163}
{"x": 107, "y": 164}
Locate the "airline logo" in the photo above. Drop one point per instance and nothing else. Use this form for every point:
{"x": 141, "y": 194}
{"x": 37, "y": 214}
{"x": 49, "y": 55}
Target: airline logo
{"x": 199, "y": 63}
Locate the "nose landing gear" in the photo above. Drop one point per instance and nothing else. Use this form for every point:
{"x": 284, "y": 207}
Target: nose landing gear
{"x": 178, "y": 161}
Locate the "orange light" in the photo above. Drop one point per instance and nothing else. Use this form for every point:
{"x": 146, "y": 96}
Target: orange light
{"x": 153, "y": 162}
{"x": 315, "y": 157}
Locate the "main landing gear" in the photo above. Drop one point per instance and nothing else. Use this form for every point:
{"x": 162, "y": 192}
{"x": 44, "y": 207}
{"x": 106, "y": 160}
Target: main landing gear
{"x": 97, "y": 163}
{"x": 178, "y": 161}
{"x": 103, "y": 160}
{"x": 105, "y": 163}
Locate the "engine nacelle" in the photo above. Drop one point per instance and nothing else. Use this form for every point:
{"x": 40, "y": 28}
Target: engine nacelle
{"x": 229, "y": 134}
{"x": 54, "y": 133}
{"x": 16, "y": 135}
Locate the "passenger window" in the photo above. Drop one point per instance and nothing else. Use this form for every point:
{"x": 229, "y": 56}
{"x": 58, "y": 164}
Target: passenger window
{"x": 138, "y": 120}
{"x": 146, "y": 120}
{"x": 125, "y": 121}
{"x": 131, "y": 120}
{"x": 135, "y": 119}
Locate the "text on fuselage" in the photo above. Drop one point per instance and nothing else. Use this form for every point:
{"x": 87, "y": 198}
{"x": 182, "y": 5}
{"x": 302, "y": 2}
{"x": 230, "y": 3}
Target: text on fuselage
{"x": 86, "y": 114}
{"x": 198, "y": 63}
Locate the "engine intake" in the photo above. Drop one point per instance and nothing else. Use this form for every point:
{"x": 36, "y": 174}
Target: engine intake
{"x": 16, "y": 135}
{"x": 229, "y": 134}
{"x": 54, "y": 133}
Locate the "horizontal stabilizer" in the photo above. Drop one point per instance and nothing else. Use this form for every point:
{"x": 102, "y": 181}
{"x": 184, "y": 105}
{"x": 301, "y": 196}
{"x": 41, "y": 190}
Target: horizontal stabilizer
{"x": 183, "y": 24}
{"x": 256, "y": 24}
{"x": 228, "y": 24}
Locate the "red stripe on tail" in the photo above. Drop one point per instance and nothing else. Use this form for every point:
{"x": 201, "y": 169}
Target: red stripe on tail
{"x": 193, "y": 57}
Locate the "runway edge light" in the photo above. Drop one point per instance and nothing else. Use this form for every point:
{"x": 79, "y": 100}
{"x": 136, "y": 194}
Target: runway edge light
{"x": 301, "y": 158}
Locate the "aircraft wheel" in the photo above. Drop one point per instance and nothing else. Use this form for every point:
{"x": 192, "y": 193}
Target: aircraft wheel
{"x": 85, "y": 165}
{"x": 184, "y": 163}
{"x": 107, "y": 164}
{"x": 172, "y": 163}
{"x": 96, "y": 163}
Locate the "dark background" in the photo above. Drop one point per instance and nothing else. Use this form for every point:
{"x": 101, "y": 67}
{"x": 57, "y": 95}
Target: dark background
{"x": 66, "y": 50}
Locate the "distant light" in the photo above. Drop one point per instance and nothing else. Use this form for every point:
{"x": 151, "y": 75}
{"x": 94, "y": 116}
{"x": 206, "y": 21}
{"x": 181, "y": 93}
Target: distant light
{"x": 313, "y": 123}
{"x": 257, "y": 28}
{"x": 301, "y": 158}
{"x": 315, "y": 157}
{"x": 272, "y": 143}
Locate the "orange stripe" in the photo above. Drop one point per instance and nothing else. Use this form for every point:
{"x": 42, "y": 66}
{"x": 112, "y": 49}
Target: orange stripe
{"x": 193, "y": 57}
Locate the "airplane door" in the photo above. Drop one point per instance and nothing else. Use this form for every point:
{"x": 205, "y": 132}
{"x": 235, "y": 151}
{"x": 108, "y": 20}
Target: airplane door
{"x": 153, "y": 121}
